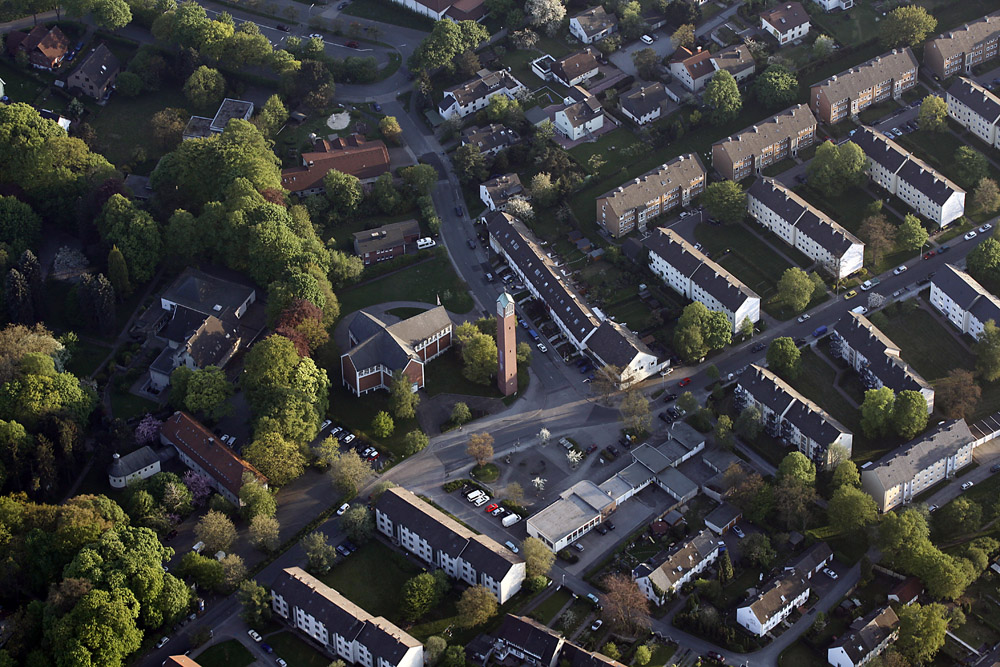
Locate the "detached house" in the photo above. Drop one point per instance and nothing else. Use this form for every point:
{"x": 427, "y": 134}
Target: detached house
{"x": 528, "y": 641}
{"x": 575, "y": 68}
{"x": 960, "y": 298}
{"x": 490, "y": 139}
{"x": 830, "y": 5}
{"x": 46, "y": 48}
{"x": 135, "y": 466}
{"x": 850, "y": 92}
{"x": 976, "y": 109}
{"x": 962, "y": 49}
{"x": 754, "y": 149}
{"x": 593, "y": 25}
{"x": 787, "y": 22}
{"x": 694, "y": 69}
{"x": 679, "y": 567}
{"x": 580, "y": 119}
{"x": 96, "y": 74}
{"x": 471, "y": 96}
{"x": 366, "y": 160}
{"x": 496, "y": 192}
{"x": 868, "y": 638}
{"x": 644, "y": 104}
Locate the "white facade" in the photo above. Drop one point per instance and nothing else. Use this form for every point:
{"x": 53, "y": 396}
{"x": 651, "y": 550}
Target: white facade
{"x": 120, "y": 482}
{"x": 576, "y": 132}
{"x": 506, "y": 85}
{"x": 783, "y": 34}
{"x": 984, "y": 127}
{"x": 967, "y": 309}
{"x": 679, "y": 568}
{"x": 748, "y": 616}
{"x": 830, "y": 5}
{"x": 577, "y": 30}
{"x": 420, "y": 8}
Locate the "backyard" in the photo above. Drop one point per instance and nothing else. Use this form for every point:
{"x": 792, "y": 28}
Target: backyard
{"x": 295, "y": 651}
{"x": 426, "y": 282}
{"x": 552, "y": 605}
{"x": 378, "y": 595}
{"x": 229, "y": 653}
{"x": 741, "y": 251}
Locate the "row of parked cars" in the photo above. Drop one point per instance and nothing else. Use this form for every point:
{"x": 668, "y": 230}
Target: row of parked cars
{"x": 348, "y": 439}
{"x": 479, "y": 498}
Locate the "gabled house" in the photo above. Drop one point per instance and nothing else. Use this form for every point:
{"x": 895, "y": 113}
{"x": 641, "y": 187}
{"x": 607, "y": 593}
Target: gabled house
{"x": 812, "y": 560}
{"x": 787, "y": 22}
{"x": 575, "y": 68}
{"x": 961, "y": 49}
{"x": 96, "y": 75}
{"x": 774, "y": 603}
{"x": 137, "y": 465}
{"x": 354, "y": 154}
{"x": 496, "y": 192}
{"x": 644, "y": 104}
{"x": 830, "y": 5}
{"x": 678, "y": 568}
{"x": 46, "y": 48}
{"x": 963, "y": 301}
{"x": 475, "y": 94}
{"x": 692, "y": 68}
{"x": 528, "y": 641}
{"x": 593, "y": 25}
{"x": 975, "y": 108}
{"x": 737, "y": 60}
{"x": 615, "y": 345}
{"x": 868, "y": 638}
{"x": 906, "y": 592}
{"x": 490, "y": 139}
{"x": 580, "y": 119}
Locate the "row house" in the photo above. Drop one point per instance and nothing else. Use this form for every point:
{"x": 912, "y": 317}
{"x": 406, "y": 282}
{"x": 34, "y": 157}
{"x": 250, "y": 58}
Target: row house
{"x": 678, "y": 568}
{"x": 634, "y": 204}
{"x": 963, "y": 301}
{"x": 593, "y": 25}
{"x": 791, "y": 417}
{"x": 475, "y": 94}
{"x": 338, "y": 626}
{"x": 876, "y": 358}
{"x": 959, "y": 50}
{"x": 868, "y": 638}
{"x": 925, "y": 190}
{"x": 850, "y": 92}
{"x": 529, "y": 642}
{"x": 441, "y": 542}
{"x": 691, "y": 274}
{"x": 786, "y": 592}
{"x": 804, "y": 227}
{"x": 906, "y": 472}
{"x": 976, "y": 109}
{"x": 755, "y": 148}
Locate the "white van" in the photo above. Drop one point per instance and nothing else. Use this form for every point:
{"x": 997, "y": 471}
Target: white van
{"x": 510, "y": 520}
{"x": 860, "y": 310}
{"x": 426, "y": 242}
{"x": 474, "y": 495}
{"x": 646, "y": 39}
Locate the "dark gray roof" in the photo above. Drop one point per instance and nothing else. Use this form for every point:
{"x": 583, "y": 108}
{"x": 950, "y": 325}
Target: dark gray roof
{"x": 385, "y": 237}
{"x": 812, "y": 557}
{"x": 770, "y": 390}
{"x": 595, "y": 19}
{"x": 100, "y": 66}
{"x": 964, "y": 290}
{"x": 614, "y": 346}
{"x": 579, "y": 657}
{"x": 786, "y": 16}
{"x": 392, "y": 346}
{"x": 201, "y": 291}
{"x": 805, "y": 217}
{"x": 880, "y": 148}
{"x": 882, "y": 354}
{"x": 529, "y": 636}
{"x": 123, "y": 466}
{"x": 198, "y": 127}
{"x": 182, "y": 324}
{"x": 872, "y": 630}
{"x": 489, "y": 137}
{"x": 723, "y": 514}
{"x": 903, "y": 463}
{"x": 640, "y": 101}
{"x": 583, "y": 111}
{"x": 976, "y": 97}
{"x": 420, "y": 327}
{"x": 230, "y": 109}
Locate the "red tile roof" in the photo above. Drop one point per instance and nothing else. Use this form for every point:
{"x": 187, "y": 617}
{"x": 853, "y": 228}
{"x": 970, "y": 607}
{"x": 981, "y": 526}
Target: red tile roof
{"x": 351, "y": 155}
{"x": 180, "y": 661}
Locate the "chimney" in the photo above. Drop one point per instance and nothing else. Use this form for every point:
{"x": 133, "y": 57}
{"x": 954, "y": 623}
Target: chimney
{"x": 116, "y": 456}
{"x": 699, "y": 50}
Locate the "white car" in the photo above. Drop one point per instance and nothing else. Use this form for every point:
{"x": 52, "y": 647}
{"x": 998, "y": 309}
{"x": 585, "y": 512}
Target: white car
{"x": 335, "y": 430}
{"x": 803, "y": 317}
{"x": 542, "y": 348}
{"x": 325, "y": 424}
{"x": 597, "y": 625}
{"x": 898, "y": 132}
{"x": 966, "y": 486}
{"x": 348, "y": 439}
{"x": 985, "y": 228}
{"x": 280, "y": 662}
{"x": 830, "y": 573}
{"x": 163, "y": 642}
{"x": 253, "y": 635}
{"x": 343, "y": 508}
{"x": 482, "y": 500}
{"x": 315, "y": 35}
{"x": 971, "y": 235}
{"x": 738, "y": 532}
{"x": 899, "y": 269}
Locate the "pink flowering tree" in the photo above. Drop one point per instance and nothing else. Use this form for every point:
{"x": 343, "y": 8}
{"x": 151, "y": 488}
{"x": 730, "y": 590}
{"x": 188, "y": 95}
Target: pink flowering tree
{"x": 148, "y": 430}
{"x": 199, "y": 486}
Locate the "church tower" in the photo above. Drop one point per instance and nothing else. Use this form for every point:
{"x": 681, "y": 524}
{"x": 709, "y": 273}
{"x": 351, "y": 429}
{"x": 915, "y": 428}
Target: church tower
{"x": 506, "y": 345}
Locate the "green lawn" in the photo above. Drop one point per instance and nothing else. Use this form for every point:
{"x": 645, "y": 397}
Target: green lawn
{"x": 552, "y": 605}
{"x": 780, "y": 167}
{"x": 661, "y": 654}
{"x": 849, "y": 209}
{"x": 87, "y": 358}
{"x": 21, "y": 86}
{"x": 372, "y": 578}
{"x": 229, "y": 653}
{"x": 126, "y": 406}
{"x": 388, "y": 12}
{"x": 343, "y": 232}
{"x": 744, "y": 254}
{"x": 610, "y": 147}
{"x": 423, "y": 282}
{"x": 357, "y": 414}
{"x": 444, "y": 376}
{"x": 849, "y": 28}
{"x": 924, "y": 343}
{"x": 295, "y": 651}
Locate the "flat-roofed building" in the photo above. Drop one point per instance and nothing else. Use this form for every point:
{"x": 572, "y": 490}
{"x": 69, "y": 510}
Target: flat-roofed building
{"x": 386, "y": 242}
{"x": 678, "y": 568}
{"x": 961, "y": 49}
{"x": 755, "y": 148}
{"x": 976, "y": 109}
{"x": 633, "y": 204}
{"x": 963, "y": 301}
{"x": 868, "y": 637}
{"x": 848, "y": 93}
{"x": 579, "y": 510}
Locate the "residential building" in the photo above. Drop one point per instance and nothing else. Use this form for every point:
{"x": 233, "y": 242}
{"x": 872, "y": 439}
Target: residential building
{"x": 678, "y": 568}
{"x": 804, "y": 227}
{"x": 723, "y": 518}
{"x": 137, "y": 465}
{"x": 341, "y": 628}
{"x": 379, "y": 350}
{"x": 790, "y": 416}
{"x": 754, "y": 149}
{"x": 46, "y": 48}
{"x": 457, "y": 10}
{"x": 963, "y": 301}
{"x": 202, "y": 452}
{"x": 496, "y": 192}
{"x": 527, "y": 640}
{"x": 644, "y": 104}
{"x": 201, "y": 127}
{"x": 202, "y": 319}
{"x": 386, "y": 242}
{"x": 580, "y": 119}
{"x": 180, "y": 661}
{"x": 830, "y": 5}
{"x": 593, "y": 25}
{"x": 787, "y": 22}
{"x": 441, "y": 542}
{"x": 774, "y": 603}
{"x": 917, "y": 184}
{"x": 812, "y": 560}
{"x": 976, "y": 109}
{"x": 959, "y": 50}
{"x": 876, "y": 358}
{"x": 737, "y": 60}
{"x": 851, "y": 91}
{"x": 691, "y": 274}
{"x": 490, "y": 139}
{"x": 475, "y": 94}
{"x": 633, "y": 204}
{"x": 904, "y": 473}
{"x": 694, "y": 69}
{"x": 613, "y": 344}
{"x": 366, "y": 160}
{"x": 575, "y": 68}
{"x": 96, "y": 75}
{"x": 869, "y": 636}
{"x": 906, "y": 592}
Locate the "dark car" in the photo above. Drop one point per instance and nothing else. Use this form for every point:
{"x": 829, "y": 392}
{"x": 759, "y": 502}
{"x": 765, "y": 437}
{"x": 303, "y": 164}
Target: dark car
{"x": 995, "y": 467}
{"x": 665, "y": 417}
{"x": 352, "y": 44}
{"x": 266, "y": 648}
{"x": 669, "y": 397}
{"x": 758, "y": 347}
{"x": 459, "y": 212}
{"x": 943, "y": 249}
{"x": 171, "y": 535}
{"x": 282, "y": 27}
{"x": 602, "y": 530}
{"x": 924, "y": 281}
{"x": 471, "y": 244}
{"x": 591, "y": 449}
{"x": 609, "y": 525}
{"x": 613, "y": 450}
{"x": 377, "y": 107}
{"x": 718, "y": 657}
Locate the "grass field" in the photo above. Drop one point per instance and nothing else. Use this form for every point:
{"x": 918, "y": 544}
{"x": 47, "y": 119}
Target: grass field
{"x": 750, "y": 259}
{"x": 20, "y": 86}
{"x": 378, "y": 595}
{"x": 227, "y": 654}
{"x": 925, "y": 345}
{"x": 547, "y": 610}
{"x": 849, "y": 28}
{"x": 661, "y": 654}
{"x": 423, "y": 282}
{"x": 296, "y": 651}
{"x": 86, "y": 358}
{"x": 607, "y": 145}
{"x": 388, "y": 12}
{"x": 125, "y": 406}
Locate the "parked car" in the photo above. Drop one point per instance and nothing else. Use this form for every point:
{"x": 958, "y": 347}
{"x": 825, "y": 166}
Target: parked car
{"x": 685, "y": 382}
{"x": 342, "y": 550}
{"x": 929, "y": 254}
{"x": 343, "y": 508}
{"x": 267, "y": 648}
{"x": 253, "y": 635}
{"x": 803, "y": 317}
{"x": 578, "y": 546}
{"x": 971, "y": 235}
{"x": 609, "y": 524}
{"x": 282, "y": 27}
{"x": 482, "y": 500}
{"x": 850, "y": 295}
{"x": 995, "y": 467}
{"x": 163, "y": 642}
{"x": 985, "y": 228}
{"x": 471, "y": 244}
{"x": 899, "y": 269}
{"x": 498, "y": 511}
{"x": 281, "y": 663}
{"x": 510, "y": 545}
{"x": 758, "y": 347}
{"x": 932, "y": 508}
{"x": 459, "y": 212}
{"x": 602, "y": 530}
{"x": 491, "y": 507}
{"x": 348, "y": 439}
{"x": 377, "y": 107}
{"x": 352, "y": 44}
{"x": 738, "y": 532}
{"x": 830, "y": 573}
{"x": 966, "y": 486}
{"x": 670, "y": 397}
{"x": 597, "y": 625}
{"x": 715, "y": 655}
{"x": 593, "y": 598}
{"x": 315, "y": 35}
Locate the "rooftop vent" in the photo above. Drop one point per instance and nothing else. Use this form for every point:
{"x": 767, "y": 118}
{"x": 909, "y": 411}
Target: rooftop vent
{"x": 217, "y": 308}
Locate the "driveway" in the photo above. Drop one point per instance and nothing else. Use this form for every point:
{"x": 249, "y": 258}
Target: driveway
{"x": 622, "y": 58}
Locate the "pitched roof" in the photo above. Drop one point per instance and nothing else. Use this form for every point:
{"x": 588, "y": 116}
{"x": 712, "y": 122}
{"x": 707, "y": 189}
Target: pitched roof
{"x": 180, "y": 661}
{"x": 724, "y": 514}
{"x": 783, "y": 125}
{"x": 530, "y": 636}
{"x": 697, "y": 63}
{"x": 189, "y": 435}
{"x": 595, "y": 20}
{"x": 679, "y": 172}
{"x": 51, "y": 43}
{"x": 907, "y": 590}
{"x": 811, "y": 558}
{"x": 882, "y": 354}
{"x": 966, "y": 291}
{"x": 485, "y": 83}
{"x": 965, "y": 38}
{"x": 392, "y": 346}
{"x": 681, "y": 560}
{"x": 583, "y": 112}
{"x": 786, "y": 16}
{"x": 384, "y": 237}
{"x": 212, "y": 342}
{"x": 356, "y": 156}
{"x": 643, "y": 99}
{"x": 851, "y": 82}
{"x": 874, "y": 629}
{"x": 123, "y": 466}
{"x": 489, "y": 137}
{"x": 100, "y": 66}
{"x": 976, "y": 97}
{"x": 896, "y": 159}
{"x": 734, "y": 59}
{"x": 902, "y": 464}
{"x": 616, "y": 345}
{"x": 569, "y": 67}
{"x": 501, "y": 188}
{"x": 776, "y": 597}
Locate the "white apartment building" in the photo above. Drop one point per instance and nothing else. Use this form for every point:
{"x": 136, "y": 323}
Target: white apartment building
{"x": 441, "y": 542}
{"x": 681, "y": 566}
{"x": 790, "y": 416}
{"x": 868, "y": 638}
{"x": 342, "y": 628}
{"x": 580, "y": 119}
{"x": 976, "y": 109}
{"x": 774, "y": 604}
{"x": 475, "y": 94}
{"x": 787, "y": 22}
{"x": 804, "y": 227}
{"x": 904, "y": 473}
{"x": 693, "y": 275}
{"x": 961, "y": 299}
{"x": 916, "y": 183}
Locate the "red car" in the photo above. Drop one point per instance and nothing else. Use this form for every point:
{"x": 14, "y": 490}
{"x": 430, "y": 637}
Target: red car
{"x": 352, "y": 44}
{"x": 716, "y": 656}
{"x": 928, "y": 255}
{"x": 491, "y": 507}
{"x": 685, "y": 382}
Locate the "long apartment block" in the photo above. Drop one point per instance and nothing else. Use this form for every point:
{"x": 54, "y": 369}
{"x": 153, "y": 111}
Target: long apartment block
{"x": 976, "y": 109}
{"x": 790, "y": 416}
{"x": 960, "y": 298}
{"x": 691, "y": 274}
{"x": 962, "y": 49}
{"x": 633, "y": 204}
{"x": 921, "y": 187}
{"x": 755, "y": 148}
{"x": 850, "y": 92}
{"x": 804, "y": 227}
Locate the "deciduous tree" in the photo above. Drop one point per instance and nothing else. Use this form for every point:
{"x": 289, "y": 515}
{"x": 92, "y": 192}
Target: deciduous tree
{"x": 476, "y": 606}
{"x": 879, "y": 237}
{"x": 749, "y": 424}
{"x": 683, "y": 36}
{"x": 216, "y": 530}
{"x": 987, "y": 351}
{"x": 635, "y": 411}
{"x": 319, "y": 553}
{"x": 470, "y": 165}
{"x": 970, "y": 167}
{"x": 922, "y": 630}
{"x": 205, "y": 87}
{"x": 264, "y": 532}
{"x": 272, "y": 116}
{"x": 783, "y": 357}
{"x": 480, "y": 448}
{"x": 834, "y": 168}
{"x": 168, "y": 126}
{"x": 460, "y": 413}
{"x": 795, "y": 289}
{"x": 415, "y": 441}
{"x": 646, "y": 62}
{"x": 358, "y": 523}
{"x": 909, "y": 413}
{"x": 625, "y": 606}
{"x": 276, "y": 457}
{"x": 255, "y": 602}
{"x": 118, "y": 273}
{"x": 846, "y": 474}
{"x": 776, "y": 87}
{"x": 851, "y": 508}
{"x": 343, "y": 192}
{"x": 390, "y": 129}
{"x": 987, "y": 195}
{"x": 957, "y": 395}
{"x": 538, "y": 557}
{"x": 876, "y": 411}
{"x": 823, "y": 46}
{"x": 382, "y": 425}
{"x": 348, "y": 471}
{"x": 933, "y": 114}
{"x": 403, "y": 400}
{"x": 722, "y": 96}
{"x": 726, "y": 201}
{"x": 419, "y": 596}
{"x": 906, "y": 26}
{"x": 757, "y": 549}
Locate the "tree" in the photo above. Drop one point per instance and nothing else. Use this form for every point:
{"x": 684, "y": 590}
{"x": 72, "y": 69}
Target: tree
{"x": 687, "y": 403}
{"x": 17, "y": 294}
{"x": 470, "y": 164}
{"x": 264, "y": 532}
{"x": 476, "y": 606}
{"x": 795, "y": 466}
{"x": 348, "y": 471}
{"x": 343, "y": 191}
{"x": 776, "y": 87}
{"x": 390, "y": 129}
{"x": 216, "y": 530}
{"x": 906, "y": 26}
{"x": 957, "y": 395}
{"x": 612, "y": 651}
{"x": 987, "y": 351}
{"x": 757, "y": 548}
{"x": 625, "y": 606}
{"x": 272, "y": 116}
{"x": 643, "y": 655}
{"x": 724, "y": 430}
{"x": 983, "y": 261}
{"x": 546, "y": 14}
{"x": 783, "y": 357}
{"x": 700, "y": 330}
{"x": 683, "y": 36}
{"x": 646, "y": 62}
{"x": 358, "y": 523}
{"x": 933, "y": 114}
{"x": 101, "y": 629}
{"x": 134, "y": 232}
{"x": 795, "y": 289}
{"x": 635, "y": 411}
{"x": 987, "y": 195}
{"x": 834, "y": 169}
{"x": 538, "y": 557}
{"x": 255, "y": 602}
{"x": 479, "y": 358}
{"x": 205, "y": 87}
{"x": 233, "y": 572}
{"x": 520, "y": 208}
{"x": 851, "y": 508}
{"x": 168, "y": 126}
{"x": 970, "y": 166}
{"x": 414, "y": 441}
{"x": 959, "y": 517}
{"x": 447, "y": 40}
{"x": 277, "y": 458}
{"x": 480, "y": 448}
{"x": 543, "y": 191}
{"x": 846, "y": 474}
{"x": 256, "y": 498}
{"x": 749, "y": 424}
{"x": 909, "y": 413}
{"x": 922, "y": 630}
{"x": 823, "y": 46}
{"x": 726, "y": 201}
{"x": 460, "y": 413}
{"x": 876, "y": 411}
{"x": 382, "y": 425}
{"x": 726, "y": 572}
{"x": 118, "y": 273}
{"x": 403, "y": 401}
{"x": 878, "y": 235}
{"x": 319, "y": 553}
{"x": 420, "y": 594}
{"x": 207, "y": 391}
{"x": 722, "y": 96}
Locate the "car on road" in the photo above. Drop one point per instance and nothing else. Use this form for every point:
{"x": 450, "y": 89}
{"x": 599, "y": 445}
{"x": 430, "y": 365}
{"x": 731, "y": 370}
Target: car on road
{"x": 929, "y": 254}
{"x": 491, "y": 507}
{"x": 541, "y": 348}
{"x": 670, "y": 397}
{"x": 282, "y": 27}
{"x": 995, "y": 467}
{"x": 163, "y": 642}
{"x": 985, "y": 228}
{"x": 315, "y": 35}
{"x": 830, "y": 573}
{"x": 685, "y": 382}
{"x": 899, "y": 269}
{"x": 352, "y": 44}
{"x": 697, "y": 246}
{"x": 715, "y": 655}
{"x": 597, "y": 625}
{"x": 738, "y": 532}
{"x": 803, "y": 317}
{"x": 758, "y": 347}
{"x": 267, "y": 648}
{"x": 343, "y": 508}
{"x": 943, "y": 249}
{"x": 253, "y": 635}
{"x": 510, "y": 545}
{"x": 459, "y": 212}
{"x": 850, "y": 295}
{"x": 966, "y": 486}
{"x": 971, "y": 235}
{"x": 932, "y": 508}
{"x": 377, "y": 107}
{"x": 590, "y": 596}
{"x": 281, "y": 663}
